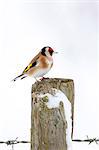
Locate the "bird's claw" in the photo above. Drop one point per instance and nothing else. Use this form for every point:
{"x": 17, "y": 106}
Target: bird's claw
{"x": 43, "y": 78}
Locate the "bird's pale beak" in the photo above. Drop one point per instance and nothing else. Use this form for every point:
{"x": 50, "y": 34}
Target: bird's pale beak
{"x": 55, "y": 52}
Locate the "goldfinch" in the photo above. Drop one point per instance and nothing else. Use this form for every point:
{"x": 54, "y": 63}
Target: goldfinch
{"x": 39, "y": 65}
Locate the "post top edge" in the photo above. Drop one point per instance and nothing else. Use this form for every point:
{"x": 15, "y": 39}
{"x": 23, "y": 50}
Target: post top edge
{"x": 53, "y": 80}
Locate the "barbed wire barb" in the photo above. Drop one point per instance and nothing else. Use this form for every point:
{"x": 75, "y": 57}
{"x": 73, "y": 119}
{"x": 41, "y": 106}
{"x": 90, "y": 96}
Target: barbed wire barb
{"x": 89, "y": 140}
{"x": 13, "y": 142}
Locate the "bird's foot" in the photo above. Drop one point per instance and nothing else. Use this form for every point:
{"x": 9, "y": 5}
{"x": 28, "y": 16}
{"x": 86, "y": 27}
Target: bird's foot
{"x": 43, "y": 78}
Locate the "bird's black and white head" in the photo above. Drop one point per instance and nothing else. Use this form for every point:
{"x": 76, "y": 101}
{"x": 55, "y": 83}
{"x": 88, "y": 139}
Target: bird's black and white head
{"x": 47, "y": 51}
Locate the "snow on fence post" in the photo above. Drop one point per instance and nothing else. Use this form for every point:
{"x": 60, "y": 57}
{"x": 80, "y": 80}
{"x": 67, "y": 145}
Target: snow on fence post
{"x": 52, "y": 109}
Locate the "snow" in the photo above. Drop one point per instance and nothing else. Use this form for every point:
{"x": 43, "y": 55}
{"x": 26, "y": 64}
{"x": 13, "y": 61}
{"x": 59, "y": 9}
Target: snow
{"x": 53, "y": 102}
{"x": 71, "y": 29}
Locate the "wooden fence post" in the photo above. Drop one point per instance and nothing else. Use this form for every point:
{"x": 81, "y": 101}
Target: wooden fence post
{"x": 48, "y": 125}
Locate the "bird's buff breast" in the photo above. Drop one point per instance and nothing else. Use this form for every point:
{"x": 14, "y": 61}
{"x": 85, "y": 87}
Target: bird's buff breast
{"x": 40, "y": 73}
{"x": 41, "y": 68}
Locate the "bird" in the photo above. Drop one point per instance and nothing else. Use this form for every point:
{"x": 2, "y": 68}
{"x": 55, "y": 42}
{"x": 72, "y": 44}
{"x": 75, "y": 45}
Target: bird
{"x": 39, "y": 65}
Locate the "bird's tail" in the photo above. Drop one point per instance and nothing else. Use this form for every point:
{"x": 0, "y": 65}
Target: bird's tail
{"x": 21, "y": 76}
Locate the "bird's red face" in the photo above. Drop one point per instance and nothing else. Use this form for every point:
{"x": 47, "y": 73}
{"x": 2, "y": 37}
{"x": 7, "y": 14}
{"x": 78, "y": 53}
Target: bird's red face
{"x": 50, "y": 50}
{"x": 47, "y": 51}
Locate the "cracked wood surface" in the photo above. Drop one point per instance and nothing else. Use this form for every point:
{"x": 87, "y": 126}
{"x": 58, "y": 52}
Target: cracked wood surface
{"x": 48, "y": 126}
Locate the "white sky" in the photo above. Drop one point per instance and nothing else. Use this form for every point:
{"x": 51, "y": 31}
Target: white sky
{"x": 69, "y": 27}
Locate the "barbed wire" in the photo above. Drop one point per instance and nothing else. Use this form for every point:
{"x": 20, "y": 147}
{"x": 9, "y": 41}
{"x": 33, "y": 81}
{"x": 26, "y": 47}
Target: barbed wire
{"x": 13, "y": 142}
{"x": 89, "y": 140}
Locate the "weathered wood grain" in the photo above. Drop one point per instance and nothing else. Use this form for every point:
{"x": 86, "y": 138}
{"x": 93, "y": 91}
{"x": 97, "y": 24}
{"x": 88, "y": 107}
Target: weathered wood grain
{"x": 48, "y": 126}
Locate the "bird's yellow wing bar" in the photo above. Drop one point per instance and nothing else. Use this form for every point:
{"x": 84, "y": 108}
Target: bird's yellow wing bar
{"x": 30, "y": 66}
{"x": 27, "y": 68}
